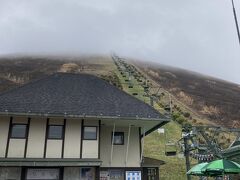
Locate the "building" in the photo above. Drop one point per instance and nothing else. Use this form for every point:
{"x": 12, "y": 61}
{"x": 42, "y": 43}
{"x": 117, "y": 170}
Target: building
{"x": 74, "y": 126}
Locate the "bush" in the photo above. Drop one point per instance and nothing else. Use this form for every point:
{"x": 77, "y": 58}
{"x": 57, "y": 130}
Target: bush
{"x": 186, "y": 114}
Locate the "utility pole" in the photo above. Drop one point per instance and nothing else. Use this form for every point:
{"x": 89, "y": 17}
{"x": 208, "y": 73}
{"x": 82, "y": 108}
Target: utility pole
{"x": 186, "y": 152}
{"x": 236, "y": 21}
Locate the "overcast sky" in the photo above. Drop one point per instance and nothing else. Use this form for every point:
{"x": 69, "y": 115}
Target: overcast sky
{"x": 198, "y": 35}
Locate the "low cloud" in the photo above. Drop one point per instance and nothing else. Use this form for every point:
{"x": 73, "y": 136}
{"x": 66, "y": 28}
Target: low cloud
{"x": 192, "y": 34}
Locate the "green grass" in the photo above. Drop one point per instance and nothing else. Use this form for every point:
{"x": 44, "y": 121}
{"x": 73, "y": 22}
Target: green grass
{"x": 154, "y": 144}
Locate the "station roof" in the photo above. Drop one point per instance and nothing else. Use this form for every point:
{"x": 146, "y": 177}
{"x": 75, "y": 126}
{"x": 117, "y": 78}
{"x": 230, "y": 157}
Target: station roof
{"x": 76, "y": 95}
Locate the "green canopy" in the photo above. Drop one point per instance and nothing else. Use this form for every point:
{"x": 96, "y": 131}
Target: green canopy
{"x": 221, "y": 167}
{"x": 197, "y": 169}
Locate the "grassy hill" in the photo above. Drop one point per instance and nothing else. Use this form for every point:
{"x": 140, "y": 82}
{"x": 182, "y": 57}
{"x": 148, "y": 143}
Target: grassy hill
{"x": 195, "y": 99}
{"x": 214, "y": 100}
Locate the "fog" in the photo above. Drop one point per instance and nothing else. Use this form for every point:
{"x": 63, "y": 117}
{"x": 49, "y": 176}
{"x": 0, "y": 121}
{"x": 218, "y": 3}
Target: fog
{"x": 191, "y": 34}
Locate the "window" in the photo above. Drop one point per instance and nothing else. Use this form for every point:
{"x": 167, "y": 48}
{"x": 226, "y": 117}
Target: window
{"x": 118, "y": 138}
{"x": 90, "y": 133}
{"x": 87, "y": 173}
{"x": 43, "y": 174}
{"x": 18, "y": 131}
{"x": 55, "y": 132}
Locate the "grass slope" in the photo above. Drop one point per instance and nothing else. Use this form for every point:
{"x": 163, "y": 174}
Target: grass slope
{"x": 154, "y": 144}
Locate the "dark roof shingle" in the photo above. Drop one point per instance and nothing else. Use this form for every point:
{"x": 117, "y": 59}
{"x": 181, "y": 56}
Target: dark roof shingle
{"x": 74, "y": 94}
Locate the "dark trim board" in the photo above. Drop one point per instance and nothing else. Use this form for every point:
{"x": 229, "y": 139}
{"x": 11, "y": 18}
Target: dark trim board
{"x": 81, "y": 143}
{"x": 8, "y": 139}
{"x": 140, "y": 142}
{"x": 97, "y": 172}
{"x": 155, "y": 128}
{"x": 46, "y": 135}
{"x": 27, "y": 135}
{"x": 63, "y": 138}
{"x": 99, "y": 139}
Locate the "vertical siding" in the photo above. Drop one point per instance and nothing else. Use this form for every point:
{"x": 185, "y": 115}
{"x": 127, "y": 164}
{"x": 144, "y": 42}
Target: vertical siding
{"x": 119, "y": 151}
{"x": 90, "y": 147}
{"x": 16, "y": 148}
{"x": 36, "y": 139}
{"x": 4, "y": 126}
{"x": 72, "y": 138}
{"x": 54, "y": 149}
{"x": 54, "y": 146}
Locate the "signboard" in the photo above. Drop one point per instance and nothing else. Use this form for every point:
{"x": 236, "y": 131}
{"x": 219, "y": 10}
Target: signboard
{"x": 116, "y": 174}
{"x": 43, "y": 174}
{"x": 133, "y": 175}
{"x": 104, "y": 175}
{"x": 161, "y": 131}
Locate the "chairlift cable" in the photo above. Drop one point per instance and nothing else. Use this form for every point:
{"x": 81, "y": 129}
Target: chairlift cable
{"x": 236, "y": 21}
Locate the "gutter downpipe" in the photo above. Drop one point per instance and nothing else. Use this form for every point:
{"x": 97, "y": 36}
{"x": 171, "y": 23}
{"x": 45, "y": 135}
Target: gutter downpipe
{"x": 142, "y": 144}
{"x": 114, "y": 127}
{"x": 129, "y": 132}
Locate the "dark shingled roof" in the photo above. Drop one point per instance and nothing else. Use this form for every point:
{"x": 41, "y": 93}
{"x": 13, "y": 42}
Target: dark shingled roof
{"x": 74, "y": 94}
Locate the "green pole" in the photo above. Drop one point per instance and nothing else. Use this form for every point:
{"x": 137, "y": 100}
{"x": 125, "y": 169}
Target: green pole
{"x": 186, "y": 153}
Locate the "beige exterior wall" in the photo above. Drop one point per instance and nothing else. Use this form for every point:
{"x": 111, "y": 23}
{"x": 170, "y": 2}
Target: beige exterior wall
{"x": 4, "y": 126}
{"x": 54, "y": 149}
{"x": 36, "y": 142}
{"x": 72, "y": 138}
{"x": 90, "y": 147}
{"x": 36, "y": 139}
{"x": 119, "y": 151}
{"x": 16, "y": 148}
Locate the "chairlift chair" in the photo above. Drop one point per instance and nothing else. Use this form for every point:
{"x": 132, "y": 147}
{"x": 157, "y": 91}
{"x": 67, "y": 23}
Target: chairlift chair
{"x": 167, "y": 108}
{"x": 170, "y": 149}
{"x": 146, "y": 88}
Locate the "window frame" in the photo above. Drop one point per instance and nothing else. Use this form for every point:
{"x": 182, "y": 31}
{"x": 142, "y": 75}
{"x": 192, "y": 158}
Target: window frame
{"x": 119, "y": 133}
{"x": 48, "y": 130}
{"x": 11, "y": 131}
{"x": 90, "y": 139}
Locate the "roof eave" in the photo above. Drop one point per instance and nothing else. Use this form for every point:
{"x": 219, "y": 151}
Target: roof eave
{"x": 164, "y": 119}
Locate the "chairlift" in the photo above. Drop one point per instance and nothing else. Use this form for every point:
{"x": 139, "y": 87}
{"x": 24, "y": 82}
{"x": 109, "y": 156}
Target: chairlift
{"x": 167, "y": 108}
{"x": 170, "y": 149}
{"x": 146, "y": 88}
